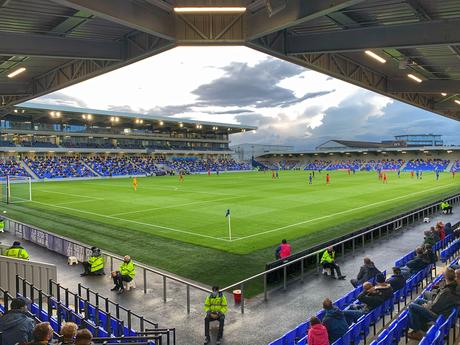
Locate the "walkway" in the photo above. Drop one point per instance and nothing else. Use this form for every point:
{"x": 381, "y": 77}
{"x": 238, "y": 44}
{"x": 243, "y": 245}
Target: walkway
{"x": 262, "y": 321}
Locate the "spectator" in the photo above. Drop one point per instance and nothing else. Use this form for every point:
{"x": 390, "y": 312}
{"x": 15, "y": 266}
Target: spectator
{"x": 448, "y": 229}
{"x": 317, "y": 333}
{"x": 334, "y": 320}
{"x": 383, "y": 287}
{"x": 95, "y": 264}
{"x": 16, "y": 251}
{"x": 429, "y": 238}
{"x": 435, "y": 235}
{"x": 445, "y": 207}
{"x": 328, "y": 262}
{"x": 367, "y": 272}
{"x": 125, "y": 274}
{"x": 283, "y": 250}
{"x": 15, "y": 325}
{"x": 397, "y": 280}
{"x": 440, "y": 230}
{"x": 429, "y": 255}
{"x": 422, "y": 311}
{"x": 84, "y": 337}
{"x": 416, "y": 264}
{"x": 431, "y": 294}
{"x": 42, "y": 334}
{"x": 2, "y": 225}
{"x": 68, "y": 333}
{"x": 369, "y": 298}
{"x": 215, "y": 307}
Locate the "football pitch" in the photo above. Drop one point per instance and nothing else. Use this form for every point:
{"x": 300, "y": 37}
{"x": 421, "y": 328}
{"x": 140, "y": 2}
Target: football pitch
{"x": 183, "y": 228}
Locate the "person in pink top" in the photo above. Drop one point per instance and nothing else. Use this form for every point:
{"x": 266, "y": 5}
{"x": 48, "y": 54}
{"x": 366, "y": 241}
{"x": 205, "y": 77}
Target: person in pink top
{"x": 283, "y": 250}
{"x": 317, "y": 334}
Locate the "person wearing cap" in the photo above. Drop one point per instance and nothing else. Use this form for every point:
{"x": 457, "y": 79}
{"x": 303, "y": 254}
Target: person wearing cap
{"x": 95, "y": 264}
{"x": 215, "y": 307}
{"x": 17, "y": 251}
{"x": 397, "y": 281}
{"x": 15, "y": 325}
{"x": 125, "y": 274}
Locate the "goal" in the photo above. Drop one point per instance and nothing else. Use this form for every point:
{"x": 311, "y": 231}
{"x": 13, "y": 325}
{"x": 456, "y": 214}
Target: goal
{"x": 16, "y": 189}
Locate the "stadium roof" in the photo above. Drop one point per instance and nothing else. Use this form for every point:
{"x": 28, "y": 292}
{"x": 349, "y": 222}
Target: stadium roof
{"x": 63, "y": 42}
{"x": 356, "y": 144}
{"x": 76, "y": 116}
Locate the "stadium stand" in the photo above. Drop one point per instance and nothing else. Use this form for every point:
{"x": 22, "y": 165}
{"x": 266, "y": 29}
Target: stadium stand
{"x": 317, "y": 165}
{"x": 456, "y": 166}
{"x": 58, "y": 167}
{"x": 384, "y": 164}
{"x": 427, "y": 165}
{"x": 111, "y": 166}
{"x": 12, "y": 168}
{"x": 345, "y": 165}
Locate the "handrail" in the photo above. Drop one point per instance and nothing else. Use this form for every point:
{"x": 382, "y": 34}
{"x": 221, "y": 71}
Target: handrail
{"x": 396, "y": 222}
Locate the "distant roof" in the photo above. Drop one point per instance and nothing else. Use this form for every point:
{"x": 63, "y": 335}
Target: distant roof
{"x": 123, "y": 114}
{"x": 354, "y": 143}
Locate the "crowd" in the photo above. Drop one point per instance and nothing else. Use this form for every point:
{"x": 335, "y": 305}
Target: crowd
{"x": 113, "y": 166}
{"x": 427, "y": 165}
{"x": 383, "y": 164}
{"x": 191, "y": 165}
{"x": 58, "y": 167}
{"x": 11, "y": 168}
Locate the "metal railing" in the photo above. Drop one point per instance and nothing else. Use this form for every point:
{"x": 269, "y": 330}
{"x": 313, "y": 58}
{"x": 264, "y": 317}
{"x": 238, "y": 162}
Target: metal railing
{"x": 69, "y": 247}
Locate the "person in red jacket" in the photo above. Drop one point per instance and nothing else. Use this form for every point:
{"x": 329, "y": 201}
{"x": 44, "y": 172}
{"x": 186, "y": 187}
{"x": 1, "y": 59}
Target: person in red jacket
{"x": 317, "y": 334}
{"x": 283, "y": 250}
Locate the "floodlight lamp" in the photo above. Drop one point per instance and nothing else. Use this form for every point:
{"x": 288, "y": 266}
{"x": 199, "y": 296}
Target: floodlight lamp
{"x": 375, "y": 56}
{"x": 413, "y": 77}
{"x": 457, "y": 101}
{"x": 16, "y": 72}
{"x": 216, "y": 9}
{"x": 443, "y": 94}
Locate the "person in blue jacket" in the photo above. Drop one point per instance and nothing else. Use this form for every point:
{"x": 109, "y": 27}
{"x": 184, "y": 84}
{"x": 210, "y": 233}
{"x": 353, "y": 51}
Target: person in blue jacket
{"x": 334, "y": 320}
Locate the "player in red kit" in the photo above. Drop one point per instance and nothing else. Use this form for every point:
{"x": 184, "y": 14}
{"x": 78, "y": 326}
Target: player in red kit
{"x": 385, "y": 178}
{"x": 328, "y": 179}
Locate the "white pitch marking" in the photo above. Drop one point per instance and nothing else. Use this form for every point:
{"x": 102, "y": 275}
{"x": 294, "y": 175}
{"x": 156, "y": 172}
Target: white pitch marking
{"x": 132, "y": 221}
{"x": 69, "y": 194}
{"x": 338, "y": 213}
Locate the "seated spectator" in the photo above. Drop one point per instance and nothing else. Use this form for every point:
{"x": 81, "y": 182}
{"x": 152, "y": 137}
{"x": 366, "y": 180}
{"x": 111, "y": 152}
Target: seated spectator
{"x": 440, "y": 230}
{"x": 370, "y": 299}
{"x": 416, "y": 264}
{"x": 334, "y": 320}
{"x": 68, "y": 333}
{"x": 431, "y": 294}
{"x": 422, "y": 311}
{"x": 429, "y": 237}
{"x": 448, "y": 229}
{"x": 15, "y": 325}
{"x": 16, "y": 251}
{"x": 397, "y": 281}
{"x": 317, "y": 333}
{"x": 367, "y": 272}
{"x": 328, "y": 262}
{"x": 42, "y": 334}
{"x": 125, "y": 274}
{"x": 445, "y": 207}
{"x": 83, "y": 337}
{"x": 383, "y": 287}
{"x": 95, "y": 264}
{"x": 429, "y": 255}
{"x": 283, "y": 250}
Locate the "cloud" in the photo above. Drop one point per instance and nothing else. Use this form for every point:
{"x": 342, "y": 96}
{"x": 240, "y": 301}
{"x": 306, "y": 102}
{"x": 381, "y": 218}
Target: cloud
{"x": 256, "y": 86}
{"x": 60, "y": 98}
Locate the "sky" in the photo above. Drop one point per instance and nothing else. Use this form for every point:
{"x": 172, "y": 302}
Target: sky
{"x": 289, "y": 104}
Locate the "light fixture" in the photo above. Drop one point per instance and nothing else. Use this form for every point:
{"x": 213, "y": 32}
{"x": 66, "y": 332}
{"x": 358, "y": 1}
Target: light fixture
{"x": 15, "y": 73}
{"x": 375, "y": 56}
{"x": 161, "y": 123}
{"x": 15, "y": 110}
{"x": 443, "y": 94}
{"x": 139, "y": 121}
{"x": 413, "y": 77}
{"x": 449, "y": 151}
{"x": 457, "y": 101}
{"x": 200, "y": 9}
{"x": 181, "y": 125}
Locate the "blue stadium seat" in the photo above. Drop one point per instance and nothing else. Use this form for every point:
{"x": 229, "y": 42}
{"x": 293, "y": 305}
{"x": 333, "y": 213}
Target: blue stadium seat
{"x": 302, "y": 341}
{"x": 289, "y": 338}
{"x": 301, "y": 330}
{"x": 277, "y": 342}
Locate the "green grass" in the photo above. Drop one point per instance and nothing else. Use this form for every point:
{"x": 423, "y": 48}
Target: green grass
{"x": 181, "y": 227}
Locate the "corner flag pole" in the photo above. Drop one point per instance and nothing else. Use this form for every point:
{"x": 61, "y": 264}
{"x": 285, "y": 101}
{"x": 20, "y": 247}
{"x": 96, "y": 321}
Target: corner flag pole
{"x": 229, "y": 224}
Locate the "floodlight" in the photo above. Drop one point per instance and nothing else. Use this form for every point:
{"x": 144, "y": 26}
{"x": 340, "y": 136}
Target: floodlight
{"x": 443, "y": 94}
{"x": 413, "y": 77}
{"x": 457, "y": 101}
{"x": 375, "y": 56}
{"x": 201, "y": 9}
{"x": 15, "y": 73}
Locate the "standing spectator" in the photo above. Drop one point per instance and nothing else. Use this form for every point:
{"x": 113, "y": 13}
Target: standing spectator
{"x": 17, "y": 251}
{"x": 84, "y": 337}
{"x": 366, "y": 272}
{"x": 68, "y": 333}
{"x": 317, "y": 333}
{"x": 397, "y": 280}
{"x": 15, "y": 325}
{"x": 125, "y": 274}
{"x": 283, "y": 250}
{"x": 95, "y": 264}
{"x": 42, "y": 334}
{"x": 328, "y": 262}
{"x": 215, "y": 307}
{"x": 334, "y": 320}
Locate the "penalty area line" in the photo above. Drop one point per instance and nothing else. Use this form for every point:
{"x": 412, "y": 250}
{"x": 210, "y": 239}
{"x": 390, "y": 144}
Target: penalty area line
{"x": 339, "y": 213}
{"x": 132, "y": 221}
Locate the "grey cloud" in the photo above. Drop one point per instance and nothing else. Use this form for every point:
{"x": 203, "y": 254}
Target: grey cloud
{"x": 60, "y": 98}
{"x": 243, "y": 85}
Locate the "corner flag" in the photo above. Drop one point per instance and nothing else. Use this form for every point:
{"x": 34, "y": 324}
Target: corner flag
{"x": 227, "y": 214}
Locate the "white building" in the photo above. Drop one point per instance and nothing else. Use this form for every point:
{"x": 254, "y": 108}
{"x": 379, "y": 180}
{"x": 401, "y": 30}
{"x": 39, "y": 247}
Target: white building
{"x": 247, "y": 151}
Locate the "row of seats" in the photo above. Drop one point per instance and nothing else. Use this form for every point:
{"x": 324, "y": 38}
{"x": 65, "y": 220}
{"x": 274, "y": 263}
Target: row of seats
{"x": 58, "y": 167}
{"x": 450, "y": 251}
{"x": 361, "y": 329}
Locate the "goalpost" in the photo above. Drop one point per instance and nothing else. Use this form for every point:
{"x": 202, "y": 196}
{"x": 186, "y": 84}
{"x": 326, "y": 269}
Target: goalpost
{"x": 16, "y": 189}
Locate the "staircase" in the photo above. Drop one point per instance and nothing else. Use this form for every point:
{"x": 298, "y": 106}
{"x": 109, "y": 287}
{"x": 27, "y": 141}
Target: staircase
{"x": 257, "y": 164}
{"x": 29, "y": 171}
{"x": 90, "y": 169}
{"x": 449, "y": 166}
{"x": 403, "y": 166}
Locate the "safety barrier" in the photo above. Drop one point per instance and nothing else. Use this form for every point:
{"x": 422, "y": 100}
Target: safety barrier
{"x": 39, "y": 273}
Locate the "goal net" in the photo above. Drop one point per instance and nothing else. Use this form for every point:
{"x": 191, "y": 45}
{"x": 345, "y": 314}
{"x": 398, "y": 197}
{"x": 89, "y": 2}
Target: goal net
{"x": 16, "y": 189}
